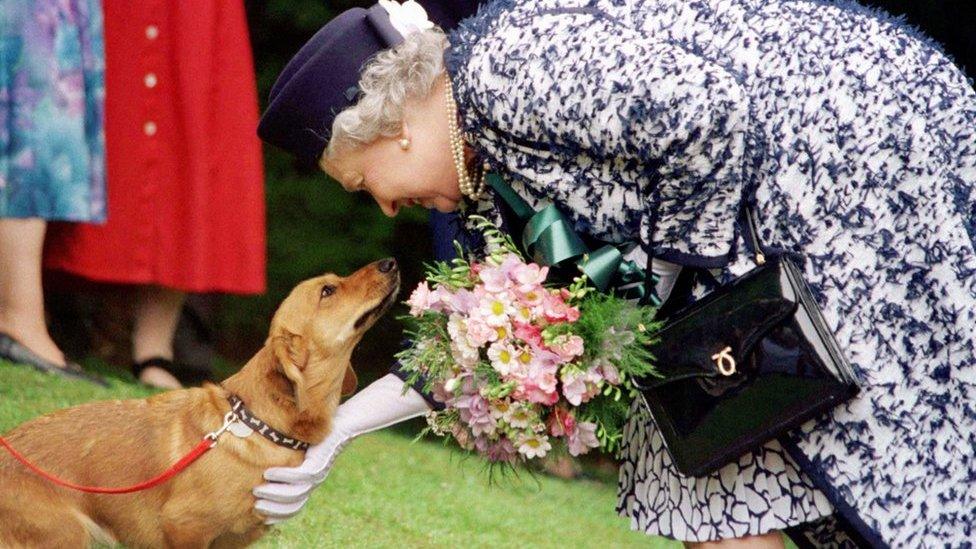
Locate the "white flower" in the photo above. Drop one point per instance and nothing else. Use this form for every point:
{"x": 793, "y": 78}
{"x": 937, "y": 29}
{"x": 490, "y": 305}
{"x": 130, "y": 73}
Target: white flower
{"x": 456, "y": 327}
{"x": 519, "y": 417}
{"x": 464, "y": 354}
{"x": 533, "y": 446}
{"x": 522, "y": 314}
{"x": 502, "y": 356}
{"x": 408, "y": 17}
{"x": 451, "y": 384}
{"x": 501, "y": 409}
{"x": 495, "y": 311}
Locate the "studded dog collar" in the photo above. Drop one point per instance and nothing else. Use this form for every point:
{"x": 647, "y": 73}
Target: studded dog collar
{"x": 245, "y": 416}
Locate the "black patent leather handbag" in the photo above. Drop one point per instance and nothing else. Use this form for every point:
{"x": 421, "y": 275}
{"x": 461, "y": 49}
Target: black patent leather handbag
{"x": 743, "y": 365}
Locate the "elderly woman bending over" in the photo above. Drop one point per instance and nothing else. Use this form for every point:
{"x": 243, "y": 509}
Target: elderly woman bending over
{"x": 850, "y": 135}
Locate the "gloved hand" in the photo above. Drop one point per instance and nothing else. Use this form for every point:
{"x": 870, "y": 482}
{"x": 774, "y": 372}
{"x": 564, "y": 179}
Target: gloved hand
{"x": 666, "y": 271}
{"x": 381, "y": 404}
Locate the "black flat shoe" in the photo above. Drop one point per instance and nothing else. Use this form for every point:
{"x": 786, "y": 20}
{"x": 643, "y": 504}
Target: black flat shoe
{"x": 14, "y": 351}
{"x": 185, "y": 375}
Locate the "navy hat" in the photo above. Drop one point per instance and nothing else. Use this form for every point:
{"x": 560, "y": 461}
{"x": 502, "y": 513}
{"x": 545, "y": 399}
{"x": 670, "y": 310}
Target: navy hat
{"x": 322, "y": 78}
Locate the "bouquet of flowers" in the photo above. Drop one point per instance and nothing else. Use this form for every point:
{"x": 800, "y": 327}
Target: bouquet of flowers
{"x": 522, "y": 365}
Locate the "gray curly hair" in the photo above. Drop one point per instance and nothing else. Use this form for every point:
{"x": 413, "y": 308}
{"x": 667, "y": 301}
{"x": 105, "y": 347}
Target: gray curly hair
{"x": 388, "y": 80}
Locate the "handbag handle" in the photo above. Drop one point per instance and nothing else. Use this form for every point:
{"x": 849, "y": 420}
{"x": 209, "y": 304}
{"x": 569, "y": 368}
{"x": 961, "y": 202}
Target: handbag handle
{"x": 753, "y": 231}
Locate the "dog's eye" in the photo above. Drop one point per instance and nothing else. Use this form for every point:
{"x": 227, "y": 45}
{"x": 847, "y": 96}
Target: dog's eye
{"x": 328, "y": 290}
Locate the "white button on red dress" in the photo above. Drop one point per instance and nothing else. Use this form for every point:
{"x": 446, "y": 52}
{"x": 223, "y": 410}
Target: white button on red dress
{"x": 185, "y": 187}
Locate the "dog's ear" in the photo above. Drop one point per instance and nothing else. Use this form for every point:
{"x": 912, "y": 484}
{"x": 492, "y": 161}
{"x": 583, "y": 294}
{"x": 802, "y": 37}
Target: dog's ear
{"x": 291, "y": 357}
{"x": 349, "y": 381}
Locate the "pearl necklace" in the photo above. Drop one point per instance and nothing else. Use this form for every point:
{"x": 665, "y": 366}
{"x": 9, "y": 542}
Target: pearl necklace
{"x": 472, "y": 187}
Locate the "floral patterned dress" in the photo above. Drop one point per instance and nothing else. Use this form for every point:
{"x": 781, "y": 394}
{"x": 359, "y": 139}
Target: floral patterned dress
{"x": 854, "y": 138}
{"x": 52, "y": 160}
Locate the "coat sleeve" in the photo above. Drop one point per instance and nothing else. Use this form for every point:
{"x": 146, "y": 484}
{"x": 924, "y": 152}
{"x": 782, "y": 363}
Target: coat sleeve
{"x": 578, "y": 82}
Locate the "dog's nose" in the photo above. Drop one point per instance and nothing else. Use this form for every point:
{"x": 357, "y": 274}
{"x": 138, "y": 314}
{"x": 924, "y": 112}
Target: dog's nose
{"x": 387, "y": 265}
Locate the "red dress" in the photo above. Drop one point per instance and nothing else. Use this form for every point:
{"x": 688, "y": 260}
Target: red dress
{"x": 185, "y": 179}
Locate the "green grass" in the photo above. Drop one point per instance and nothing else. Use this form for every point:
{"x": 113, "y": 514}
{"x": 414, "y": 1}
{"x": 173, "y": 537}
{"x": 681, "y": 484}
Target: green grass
{"x": 387, "y": 491}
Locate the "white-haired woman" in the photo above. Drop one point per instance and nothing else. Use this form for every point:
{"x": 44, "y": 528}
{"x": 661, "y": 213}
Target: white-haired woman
{"x": 852, "y": 137}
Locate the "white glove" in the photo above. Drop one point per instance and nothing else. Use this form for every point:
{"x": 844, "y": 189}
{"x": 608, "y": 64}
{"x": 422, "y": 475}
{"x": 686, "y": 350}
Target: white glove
{"x": 666, "y": 271}
{"x": 381, "y": 404}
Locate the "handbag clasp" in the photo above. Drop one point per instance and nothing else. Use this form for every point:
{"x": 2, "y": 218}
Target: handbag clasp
{"x": 725, "y": 361}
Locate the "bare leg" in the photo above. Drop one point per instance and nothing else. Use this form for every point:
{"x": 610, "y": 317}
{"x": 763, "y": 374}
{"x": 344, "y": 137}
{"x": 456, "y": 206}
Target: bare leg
{"x": 21, "y": 294}
{"x": 157, "y": 312}
{"x": 772, "y": 540}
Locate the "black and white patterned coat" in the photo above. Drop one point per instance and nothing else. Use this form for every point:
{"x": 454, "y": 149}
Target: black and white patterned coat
{"x": 856, "y": 139}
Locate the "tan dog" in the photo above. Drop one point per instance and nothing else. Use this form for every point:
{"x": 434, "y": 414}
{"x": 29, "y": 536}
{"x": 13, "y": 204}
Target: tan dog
{"x": 293, "y": 383}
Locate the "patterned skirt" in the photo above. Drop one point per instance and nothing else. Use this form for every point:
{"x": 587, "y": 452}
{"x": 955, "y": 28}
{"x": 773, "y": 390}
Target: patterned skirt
{"x": 52, "y": 153}
{"x": 761, "y": 492}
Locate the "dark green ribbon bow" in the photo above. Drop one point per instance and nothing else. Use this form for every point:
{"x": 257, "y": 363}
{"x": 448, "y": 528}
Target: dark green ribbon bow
{"x": 549, "y": 239}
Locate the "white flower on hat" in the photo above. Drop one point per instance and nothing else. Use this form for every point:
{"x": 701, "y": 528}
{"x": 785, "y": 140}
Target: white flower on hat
{"x": 408, "y": 17}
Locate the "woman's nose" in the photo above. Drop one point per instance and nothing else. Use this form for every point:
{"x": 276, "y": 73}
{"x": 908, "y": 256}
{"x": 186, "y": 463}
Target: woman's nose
{"x": 390, "y": 209}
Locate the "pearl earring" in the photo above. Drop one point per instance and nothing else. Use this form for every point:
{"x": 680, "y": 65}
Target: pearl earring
{"x": 404, "y": 143}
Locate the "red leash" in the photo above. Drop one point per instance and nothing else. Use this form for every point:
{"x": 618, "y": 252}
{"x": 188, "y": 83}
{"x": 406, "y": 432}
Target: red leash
{"x": 208, "y": 442}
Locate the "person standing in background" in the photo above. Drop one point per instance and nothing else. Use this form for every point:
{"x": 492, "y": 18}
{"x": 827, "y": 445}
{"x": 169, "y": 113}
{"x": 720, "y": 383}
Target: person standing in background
{"x": 186, "y": 196}
{"x": 51, "y": 157}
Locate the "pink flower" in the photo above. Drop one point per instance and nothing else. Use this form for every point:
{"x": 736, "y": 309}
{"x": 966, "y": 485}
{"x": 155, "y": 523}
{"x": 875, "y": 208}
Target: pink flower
{"x": 531, "y": 391}
{"x": 440, "y": 299}
{"x": 574, "y": 388}
{"x": 528, "y": 276}
{"x": 480, "y": 333}
{"x": 567, "y": 346}
{"x": 483, "y": 426}
{"x": 481, "y": 445}
{"x": 475, "y": 407}
{"x": 532, "y": 298}
{"x": 474, "y": 410}
{"x": 561, "y": 422}
{"x": 529, "y": 334}
{"x": 582, "y": 438}
{"x": 543, "y": 375}
{"x": 572, "y": 314}
{"x": 539, "y": 383}
{"x": 546, "y": 358}
{"x": 580, "y": 387}
{"x": 509, "y": 263}
{"x": 462, "y": 301}
{"x": 554, "y": 308}
{"x": 493, "y": 279}
{"x": 420, "y": 299}
{"x": 503, "y": 450}
{"x": 610, "y": 373}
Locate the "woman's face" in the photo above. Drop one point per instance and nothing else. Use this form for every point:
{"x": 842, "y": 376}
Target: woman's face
{"x": 423, "y": 174}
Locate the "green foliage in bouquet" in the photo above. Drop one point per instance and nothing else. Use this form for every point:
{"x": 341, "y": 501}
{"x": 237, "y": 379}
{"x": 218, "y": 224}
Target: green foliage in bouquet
{"x": 611, "y": 337}
{"x": 622, "y": 332}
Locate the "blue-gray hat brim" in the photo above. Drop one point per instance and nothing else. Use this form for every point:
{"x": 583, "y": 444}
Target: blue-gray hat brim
{"x": 322, "y": 79}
